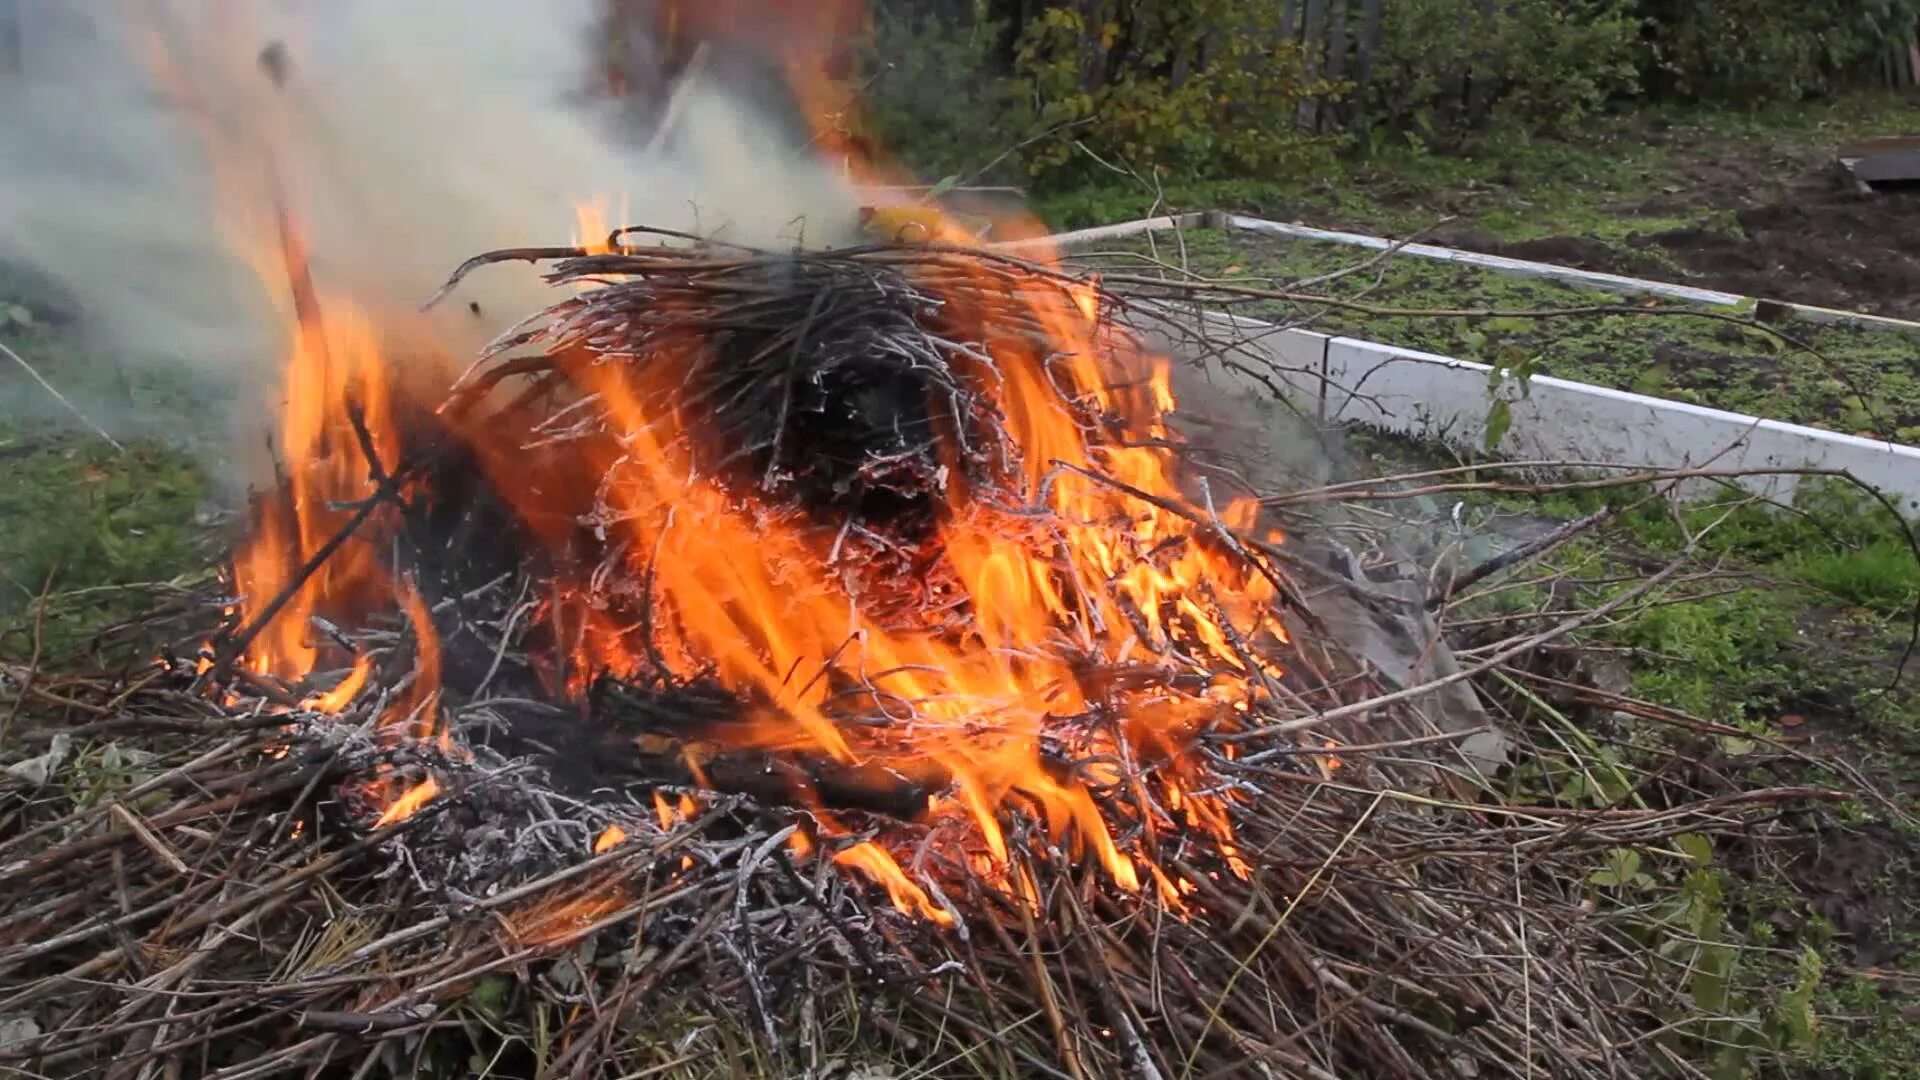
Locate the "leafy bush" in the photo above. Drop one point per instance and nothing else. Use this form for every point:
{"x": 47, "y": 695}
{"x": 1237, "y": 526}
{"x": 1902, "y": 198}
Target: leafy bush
{"x": 1758, "y": 50}
{"x": 1184, "y": 87}
{"x": 1541, "y": 65}
{"x": 932, "y": 99}
{"x": 1190, "y": 88}
{"x": 1064, "y": 94}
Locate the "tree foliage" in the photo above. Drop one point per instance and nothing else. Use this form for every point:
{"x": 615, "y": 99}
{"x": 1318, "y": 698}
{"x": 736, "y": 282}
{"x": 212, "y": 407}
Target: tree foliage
{"x": 1061, "y": 92}
{"x": 1088, "y": 87}
{"x": 1188, "y": 87}
{"x": 1529, "y": 66}
{"x": 1758, "y": 50}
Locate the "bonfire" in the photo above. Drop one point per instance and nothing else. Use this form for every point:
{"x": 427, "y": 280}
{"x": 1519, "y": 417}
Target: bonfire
{"x": 823, "y": 658}
{"x": 758, "y": 623}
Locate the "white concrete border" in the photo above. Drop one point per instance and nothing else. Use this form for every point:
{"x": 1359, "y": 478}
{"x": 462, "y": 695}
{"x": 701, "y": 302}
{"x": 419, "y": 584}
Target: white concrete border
{"x": 1109, "y": 232}
{"x": 1444, "y": 399}
{"x": 1102, "y": 232}
{"x": 1441, "y": 398}
{"x": 1613, "y": 283}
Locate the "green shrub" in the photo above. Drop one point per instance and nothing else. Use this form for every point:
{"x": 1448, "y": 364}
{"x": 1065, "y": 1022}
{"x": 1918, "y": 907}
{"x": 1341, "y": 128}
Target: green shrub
{"x": 1185, "y": 88}
{"x": 932, "y": 100}
{"x": 1541, "y": 65}
{"x": 1191, "y": 88}
{"x": 1759, "y": 50}
{"x": 1070, "y": 94}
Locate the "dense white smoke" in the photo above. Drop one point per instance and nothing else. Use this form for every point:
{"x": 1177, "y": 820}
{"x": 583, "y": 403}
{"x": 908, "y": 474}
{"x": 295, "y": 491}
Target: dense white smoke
{"x": 408, "y": 135}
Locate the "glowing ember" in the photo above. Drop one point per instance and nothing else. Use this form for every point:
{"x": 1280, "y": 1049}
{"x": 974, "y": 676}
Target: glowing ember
{"x": 611, "y": 837}
{"x": 1329, "y": 763}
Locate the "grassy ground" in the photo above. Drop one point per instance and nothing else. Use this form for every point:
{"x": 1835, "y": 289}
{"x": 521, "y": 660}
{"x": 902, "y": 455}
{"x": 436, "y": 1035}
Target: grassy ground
{"x": 82, "y": 522}
{"x": 1864, "y": 382}
{"x": 1620, "y": 176}
{"x": 1780, "y": 665}
{"x": 81, "y": 518}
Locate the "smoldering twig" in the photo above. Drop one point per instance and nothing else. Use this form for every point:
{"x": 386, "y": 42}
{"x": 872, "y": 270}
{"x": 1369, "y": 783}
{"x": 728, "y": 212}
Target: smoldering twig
{"x": 60, "y": 397}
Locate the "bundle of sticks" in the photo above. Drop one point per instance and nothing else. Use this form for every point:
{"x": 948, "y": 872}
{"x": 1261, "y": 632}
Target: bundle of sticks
{"x": 189, "y": 892}
{"x": 609, "y": 872}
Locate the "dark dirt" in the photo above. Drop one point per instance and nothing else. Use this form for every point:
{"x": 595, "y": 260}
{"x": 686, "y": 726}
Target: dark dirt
{"x": 1847, "y": 874}
{"x": 1830, "y": 248}
{"x": 1580, "y": 251}
{"x": 1819, "y": 242}
{"x": 1859, "y": 876}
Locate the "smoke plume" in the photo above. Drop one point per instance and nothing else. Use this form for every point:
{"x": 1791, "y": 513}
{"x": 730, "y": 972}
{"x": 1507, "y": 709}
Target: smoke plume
{"x": 148, "y": 147}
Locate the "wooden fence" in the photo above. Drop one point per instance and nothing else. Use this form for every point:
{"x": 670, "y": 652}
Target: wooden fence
{"x": 1339, "y": 39}
{"x": 1900, "y": 65}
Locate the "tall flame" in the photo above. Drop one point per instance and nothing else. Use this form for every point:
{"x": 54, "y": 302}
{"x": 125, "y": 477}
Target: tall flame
{"x": 1123, "y": 569}
{"x": 748, "y": 597}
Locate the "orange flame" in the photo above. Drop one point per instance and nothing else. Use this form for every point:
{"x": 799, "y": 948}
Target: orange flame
{"x": 409, "y": 802}
{"x": 800, "y": 844}
{"x": 418, "y": 708}
{"x": 874, "y": 861}
{"x": 752, "y": 598}
{"x": 342, "y": 695}
{"x": 665, "y": 813}
{"x": 1125, "y": 568}
{"x": 555, "y": 923}
{"x": 611, "y": 837}
{"x": 594, "y": 222}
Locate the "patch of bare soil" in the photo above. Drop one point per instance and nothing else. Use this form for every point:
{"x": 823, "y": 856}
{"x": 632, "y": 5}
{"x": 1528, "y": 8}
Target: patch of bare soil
{"x": 1850, "y": 876}
{"x": 1858, "y": 875}
{"x": 1816, "y": 242}
{"x": 1822, "y": 245}
{"x": 1585, "y": 253}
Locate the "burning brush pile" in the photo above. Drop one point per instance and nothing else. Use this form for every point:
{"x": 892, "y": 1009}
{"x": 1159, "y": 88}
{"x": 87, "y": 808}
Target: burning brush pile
{"x": 787, "y": 662}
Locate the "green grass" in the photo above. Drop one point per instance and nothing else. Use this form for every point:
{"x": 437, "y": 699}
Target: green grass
{"x": 1795, "y": 637}
{"x": 80, "y": 520}
{"x": 1879, "y": 578}
{"x": 1620, "y": 175}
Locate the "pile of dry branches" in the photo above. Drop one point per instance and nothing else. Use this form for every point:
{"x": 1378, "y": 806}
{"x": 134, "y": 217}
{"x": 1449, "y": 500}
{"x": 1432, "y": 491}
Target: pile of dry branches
{"x": 202, "y": 876}
{"x": 192, "y": 889}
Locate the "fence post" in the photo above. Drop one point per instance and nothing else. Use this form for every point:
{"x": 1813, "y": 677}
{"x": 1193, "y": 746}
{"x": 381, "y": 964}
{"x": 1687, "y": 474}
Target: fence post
{"x": 1371, "y": 13}
{"x": 1314, "y": 41}
{"x": 1336, "y": 111}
